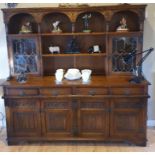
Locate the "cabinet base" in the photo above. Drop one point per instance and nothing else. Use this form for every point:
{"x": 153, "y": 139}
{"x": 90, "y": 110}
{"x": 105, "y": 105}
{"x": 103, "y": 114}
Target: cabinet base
{"x": 15, "y": 141}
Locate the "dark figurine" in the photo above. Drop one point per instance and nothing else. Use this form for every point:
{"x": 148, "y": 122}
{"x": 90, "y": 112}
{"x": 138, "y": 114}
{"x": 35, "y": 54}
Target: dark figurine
{"x": 21, "y": 78}
{"x": 86, "y": 18}
{"x": 72, "y": 47}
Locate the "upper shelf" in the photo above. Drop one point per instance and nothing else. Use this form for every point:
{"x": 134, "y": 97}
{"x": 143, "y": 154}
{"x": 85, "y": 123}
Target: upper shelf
{"x": 77, "y": 34}
{"x": 73, "y": 34}
{"x": 80, "y": 54}
{"x": 67, "y": 22}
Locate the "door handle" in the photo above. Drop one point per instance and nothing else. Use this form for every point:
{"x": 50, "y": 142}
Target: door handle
{"x": 92, "y": 92}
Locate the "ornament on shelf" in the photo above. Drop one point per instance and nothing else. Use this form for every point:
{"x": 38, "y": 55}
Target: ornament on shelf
{"x": 94, "y": 49}
{"x": 86, "y": 18}
{"x": 21, "y": 78}
{"x": 54, "y": 49}
{"x": 26, "y": 28}
{"x": 123, "y": 25}
{"x": 72, "y": 47}
{"x": 56, "y": 28}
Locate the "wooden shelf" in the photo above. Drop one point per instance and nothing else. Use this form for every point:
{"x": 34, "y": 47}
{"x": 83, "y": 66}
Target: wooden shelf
{"x": 77, "y": 34}
{"x": 125, "y": 33}
{"x": 73, "y": 34}
{"x": 24, "y": 35}
{"x": 80, "y": 54}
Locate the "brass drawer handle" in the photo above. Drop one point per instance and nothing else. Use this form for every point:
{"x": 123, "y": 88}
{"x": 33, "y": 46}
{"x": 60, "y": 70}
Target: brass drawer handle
{"x": 127, "y": 92}
{"x": 22, "y": 93}
{"x": 92, "y": 92}
{"x": 55, "y": 93}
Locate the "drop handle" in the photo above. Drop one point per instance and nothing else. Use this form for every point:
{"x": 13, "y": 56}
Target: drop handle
{"x": 127, "y": 92}
{"x": 92, "y": 92}
{"x": 54, "y": 93}
{"x": 22, "y": 93}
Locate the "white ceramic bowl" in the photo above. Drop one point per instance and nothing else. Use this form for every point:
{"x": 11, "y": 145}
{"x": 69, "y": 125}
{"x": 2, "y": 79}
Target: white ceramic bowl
{"x": 73, "y": 74}
{"x": 73, "y": 71}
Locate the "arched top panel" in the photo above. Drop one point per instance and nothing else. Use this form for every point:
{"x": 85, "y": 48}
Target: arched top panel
{"x": 18, "y": 21}
{"x": 94, "y": 21}
{"x": 132, "y": 20}
{"x": 50, "y": 19}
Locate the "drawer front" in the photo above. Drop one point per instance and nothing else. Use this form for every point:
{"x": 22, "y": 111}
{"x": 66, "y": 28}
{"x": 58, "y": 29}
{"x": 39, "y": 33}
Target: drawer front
{"x": 21, "y": 91}
{"x": 51, "y": 104}
{"x": 127, "y": 91}
{"x": 55, "y": 91}
{"x": 127, "y": 103}
{"x": 23, "y": 103}
{"x": 91, "y": 91}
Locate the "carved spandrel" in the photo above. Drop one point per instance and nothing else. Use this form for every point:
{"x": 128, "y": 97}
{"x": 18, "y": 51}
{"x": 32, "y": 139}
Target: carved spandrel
{"x": 38, "y": 17}
{"x": 7, "y": 17}
{"x": 72, "y": 16}
{"x": 107, "y": 14}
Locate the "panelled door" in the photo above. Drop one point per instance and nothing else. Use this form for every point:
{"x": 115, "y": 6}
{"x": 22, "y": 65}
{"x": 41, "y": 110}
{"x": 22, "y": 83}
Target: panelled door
{"x": 93, "y": 117}
{"x": 23, "y": 117}
{"x": 56, "y": 117}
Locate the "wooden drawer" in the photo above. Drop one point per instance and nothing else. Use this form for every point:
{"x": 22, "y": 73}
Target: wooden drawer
{"x": 91, "y": 91}
{"x": 57, "y": 103}
{"x": 21, "y": 91}
{"x": 126, "y": 103}
{"x": 23, "y": 103}
{"x": 55, "y": 91}
{"x": 127, "y": 91}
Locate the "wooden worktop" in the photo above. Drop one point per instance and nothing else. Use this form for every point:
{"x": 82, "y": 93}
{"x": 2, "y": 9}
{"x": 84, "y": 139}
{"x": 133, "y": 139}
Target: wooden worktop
{"x": 98, "y": 81}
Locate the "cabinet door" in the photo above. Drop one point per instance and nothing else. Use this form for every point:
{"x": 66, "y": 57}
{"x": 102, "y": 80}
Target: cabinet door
{"x": 128, "y": 118}
{"x": 93, "y": 118}
{"x": 57, "y": 117}
{"x": 23, "y": 117}
{"x": 24, "y": 53}
{"x": 122, "y": 50}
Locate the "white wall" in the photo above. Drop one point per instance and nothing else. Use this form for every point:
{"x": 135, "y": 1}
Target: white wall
{"x": 149, "y": 64}
{"x": 149, "y": 41}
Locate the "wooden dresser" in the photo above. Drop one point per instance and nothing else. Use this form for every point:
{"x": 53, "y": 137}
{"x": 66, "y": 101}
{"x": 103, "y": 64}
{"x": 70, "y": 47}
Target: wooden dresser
{"x": 107, "y": 108}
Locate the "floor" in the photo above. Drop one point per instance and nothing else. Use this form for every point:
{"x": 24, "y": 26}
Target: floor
{"x": 78, "y": 147}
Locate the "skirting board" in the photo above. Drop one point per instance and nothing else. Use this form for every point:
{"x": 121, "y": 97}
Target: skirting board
{"x": 150, "y": 123}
